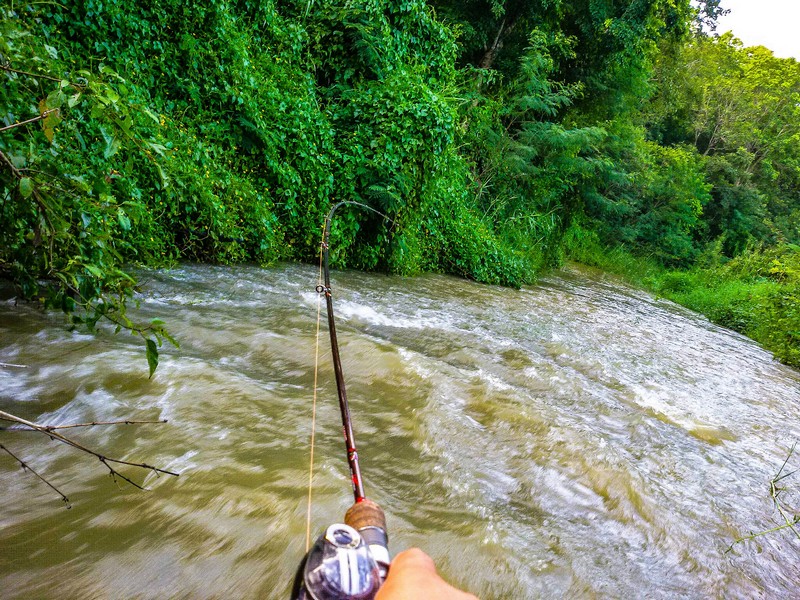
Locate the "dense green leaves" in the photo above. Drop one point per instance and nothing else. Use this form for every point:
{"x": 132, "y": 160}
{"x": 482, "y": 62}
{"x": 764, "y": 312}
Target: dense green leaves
{"x": 482, "y": 131}
{"x": 739, "y": 108}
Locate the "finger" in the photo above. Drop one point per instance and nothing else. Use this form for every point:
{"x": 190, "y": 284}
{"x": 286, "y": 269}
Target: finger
{"x": 414, "y": 560}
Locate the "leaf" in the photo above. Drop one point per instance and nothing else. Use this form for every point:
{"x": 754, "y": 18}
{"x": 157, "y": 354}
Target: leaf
{"x": 158, "y": 148}
{"x": 124, "y": 221}
{"x": 51, "y": 51}
{"x": 55, "y": 99}
{"x": 170, "y": 339}
{"x": 125, "y": 123}
{"x": 26, "y": 187}
{"x": 49, "y": 124}
{"x": 152, "y": 356}
{"x": 105, "y": 70}
{"x": 112, "y": 147}
{"x": 93, "y": 270}
{"x": 164, "y": 179}
{"x": 18, "y": 160}
{"x": 152, "y": 115}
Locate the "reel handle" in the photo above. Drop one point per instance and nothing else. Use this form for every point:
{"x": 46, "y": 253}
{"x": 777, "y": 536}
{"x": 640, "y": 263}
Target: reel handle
{"x": 369, "y": 520}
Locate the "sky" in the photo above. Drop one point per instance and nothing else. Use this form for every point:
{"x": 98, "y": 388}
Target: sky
{"x": 771, "y": 23}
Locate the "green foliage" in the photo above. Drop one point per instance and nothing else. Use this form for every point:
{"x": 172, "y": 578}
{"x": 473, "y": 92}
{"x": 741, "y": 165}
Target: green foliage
{"x": 530, "y": 171}
{"x": 583, "y": 244}
{"x": 69, "y": 133}
{"x": 226, "y": 140}
{"x": 452, "y": 230}
{"x": 669, "y": 194}
{"x": 738, "y": 107}
{"x": 611, "y": 43}
{"x": 779, "y": 329}
{"x": 491, "y": 135}
{"x": 719, "y": 183}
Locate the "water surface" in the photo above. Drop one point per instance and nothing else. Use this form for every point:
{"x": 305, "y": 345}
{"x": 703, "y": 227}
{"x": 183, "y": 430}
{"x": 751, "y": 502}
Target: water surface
{"x": 577, "y": 438}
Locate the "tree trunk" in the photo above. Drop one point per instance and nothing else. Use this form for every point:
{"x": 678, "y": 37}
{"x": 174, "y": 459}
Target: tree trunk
{"x": 492, "y": 51}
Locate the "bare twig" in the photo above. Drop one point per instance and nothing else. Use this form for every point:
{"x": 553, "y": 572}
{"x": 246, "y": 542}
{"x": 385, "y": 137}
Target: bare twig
{"x": 12, "y": 365}
{"x": 789, "y": 522}
{"x": 92, "y": 424}
{"x": 26, "y": 467}
{"x": 103, "y": 459}
{"x": 32, "y": 120}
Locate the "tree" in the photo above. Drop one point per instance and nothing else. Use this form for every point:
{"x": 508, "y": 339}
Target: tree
{"x": 64, "y": 225}
{"x": 739, "y": 107}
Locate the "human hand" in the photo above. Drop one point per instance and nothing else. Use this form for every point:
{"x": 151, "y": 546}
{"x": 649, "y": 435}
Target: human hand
{"x": 412, "y": 576}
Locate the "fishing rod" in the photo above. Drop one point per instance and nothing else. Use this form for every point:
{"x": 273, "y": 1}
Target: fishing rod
{"x": 351, "y": 559}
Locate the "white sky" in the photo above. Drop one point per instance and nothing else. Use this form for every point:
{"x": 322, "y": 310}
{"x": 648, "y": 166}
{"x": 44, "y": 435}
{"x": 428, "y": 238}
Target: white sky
{"x": 771, "y": 23}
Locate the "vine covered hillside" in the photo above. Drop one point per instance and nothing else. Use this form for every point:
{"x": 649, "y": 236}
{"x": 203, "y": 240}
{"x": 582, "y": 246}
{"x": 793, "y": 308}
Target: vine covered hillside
{"x": 492, "y": 135}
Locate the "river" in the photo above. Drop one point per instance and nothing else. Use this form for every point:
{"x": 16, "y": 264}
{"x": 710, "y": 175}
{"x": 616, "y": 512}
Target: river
{"x": 573, "y": 439}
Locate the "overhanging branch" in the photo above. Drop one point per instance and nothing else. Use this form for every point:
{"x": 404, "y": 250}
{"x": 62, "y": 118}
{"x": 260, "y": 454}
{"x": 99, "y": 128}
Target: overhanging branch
{"x": 49, "y": 430}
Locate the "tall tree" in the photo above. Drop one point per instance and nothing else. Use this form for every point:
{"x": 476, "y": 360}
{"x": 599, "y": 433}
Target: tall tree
{"x": 739, "y": 107}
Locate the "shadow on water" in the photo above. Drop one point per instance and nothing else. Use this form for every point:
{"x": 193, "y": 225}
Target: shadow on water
{"x": 577, "y": 438}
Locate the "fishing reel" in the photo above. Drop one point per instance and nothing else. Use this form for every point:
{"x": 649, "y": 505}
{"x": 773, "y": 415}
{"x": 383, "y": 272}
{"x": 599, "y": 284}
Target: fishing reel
{"x": 349, "y": 561}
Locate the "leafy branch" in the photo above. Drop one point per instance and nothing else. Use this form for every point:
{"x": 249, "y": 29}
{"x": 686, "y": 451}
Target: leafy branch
{"x": 67, "y": 231}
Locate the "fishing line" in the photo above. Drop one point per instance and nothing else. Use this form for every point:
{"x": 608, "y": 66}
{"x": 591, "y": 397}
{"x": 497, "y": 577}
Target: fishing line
{"x": 314, "y": 404}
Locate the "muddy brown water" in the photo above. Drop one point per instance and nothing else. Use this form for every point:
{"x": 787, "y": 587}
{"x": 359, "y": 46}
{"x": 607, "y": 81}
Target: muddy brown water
{"x": 573, "y": 439}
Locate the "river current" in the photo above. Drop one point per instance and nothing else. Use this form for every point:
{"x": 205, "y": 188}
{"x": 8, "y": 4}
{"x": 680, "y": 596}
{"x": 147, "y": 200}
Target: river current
{"x": 573, "y": 439}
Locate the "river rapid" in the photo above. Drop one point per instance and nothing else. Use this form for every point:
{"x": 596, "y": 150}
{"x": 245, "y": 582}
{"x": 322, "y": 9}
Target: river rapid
{"x": 573, "y": 439}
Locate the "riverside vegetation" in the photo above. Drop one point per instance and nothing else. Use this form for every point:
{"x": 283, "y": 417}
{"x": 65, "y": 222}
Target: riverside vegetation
{"x": 500, "y": 137}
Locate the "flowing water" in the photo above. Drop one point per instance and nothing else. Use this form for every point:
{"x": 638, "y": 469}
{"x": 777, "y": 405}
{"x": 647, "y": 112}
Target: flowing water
{"x": 577, "y": 439}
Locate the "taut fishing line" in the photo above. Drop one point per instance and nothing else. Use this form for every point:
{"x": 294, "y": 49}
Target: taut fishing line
{"x": 314, "y": 404}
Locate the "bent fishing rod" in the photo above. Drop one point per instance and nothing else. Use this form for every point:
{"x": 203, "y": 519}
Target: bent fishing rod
{"x": 349, "y": 560}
